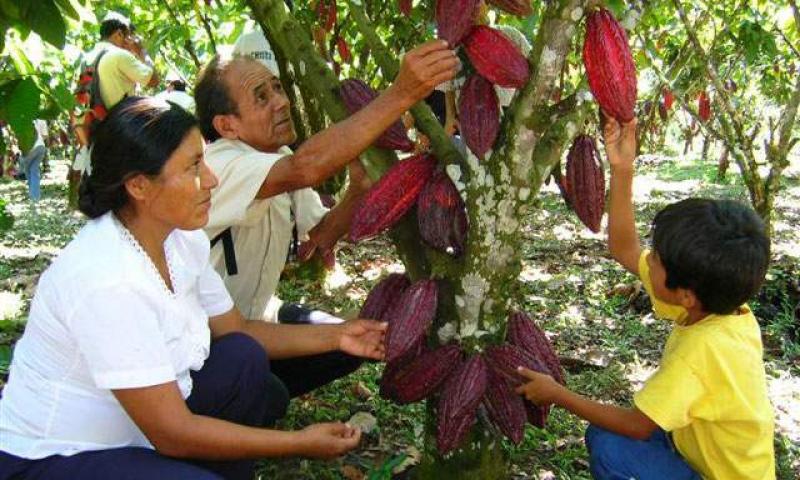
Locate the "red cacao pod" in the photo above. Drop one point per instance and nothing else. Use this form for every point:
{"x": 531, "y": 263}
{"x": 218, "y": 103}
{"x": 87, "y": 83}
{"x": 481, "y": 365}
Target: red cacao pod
{"x": 344, "y": 50}
{"x": 454, "y": 19}
{"x": 479, "y": 114}
{"x": 537, "y": 416}
{"x": 422, "y": 375}
{"x": 669, "y": 98}
{"x": 525, "y": 334}
{"x": 704, "y": 107}
{"x": 505, "y": 407}
{"x": 391, "y": 196}
{"x": 504, "y": 360}
{"x": 586, "y": 181}
{"x": 411, "y": 316}
{"x": 326, "y": 12}
{"x": 383, "y": 295}
{"x": 458, "y": 402}
{"x": 442, "y": 215}
{"x": 496, "y": 57}
{"x": 520, "y": 8}
{"x": 356, "y": 95}
{"x": 405, "y": 7}
{"x": 609, "y": 65}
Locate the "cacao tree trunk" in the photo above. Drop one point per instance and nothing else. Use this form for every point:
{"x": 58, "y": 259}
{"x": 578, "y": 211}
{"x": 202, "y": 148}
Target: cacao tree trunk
{"x": 476, "y": 291}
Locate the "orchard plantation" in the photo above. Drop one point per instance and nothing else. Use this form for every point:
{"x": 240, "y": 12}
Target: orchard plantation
{"x": 483, "y": 238}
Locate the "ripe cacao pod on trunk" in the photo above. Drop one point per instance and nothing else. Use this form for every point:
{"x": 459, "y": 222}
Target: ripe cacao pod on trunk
{"x": 356, "y": 95}
{"x": 458, "y": 402}
{"x": 704, "y": 107}
{"x": 442, "y": 215}
{"x": 383, "y": 295}
{"x": 537, "y": 416}
{"x": 525, "y": 334}
{"x": 609, "y": 65}
{"x": 504, "y": 360}
{"x": 496, "y": 57}
{"x": 391, "y": 196}
{"x": 411, "y": 316}
{"x": 479, "y": 114}
{"x": 454, "y": 19}
{"x": 669, "y": 98}
{"x": 420, "y": 376}
{"x": 520, "y": 8}
{"x": 586, "y": 181}
{"x": 506, "y": 408}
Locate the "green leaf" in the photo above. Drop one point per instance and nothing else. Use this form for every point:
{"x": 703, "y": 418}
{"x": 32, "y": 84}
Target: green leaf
{"x": 21, "y": 109}
{"x": 68, "y": 9}
{"x": 46, "y": 20}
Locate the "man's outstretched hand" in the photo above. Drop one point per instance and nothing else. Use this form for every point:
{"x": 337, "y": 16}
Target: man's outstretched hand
{"x": 363, "y": 338}
{"x": 425, "y": 67}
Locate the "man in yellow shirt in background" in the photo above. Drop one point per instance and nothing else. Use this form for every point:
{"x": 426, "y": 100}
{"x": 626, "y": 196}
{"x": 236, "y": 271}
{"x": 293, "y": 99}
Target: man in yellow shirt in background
{"x": 705, "y": 411}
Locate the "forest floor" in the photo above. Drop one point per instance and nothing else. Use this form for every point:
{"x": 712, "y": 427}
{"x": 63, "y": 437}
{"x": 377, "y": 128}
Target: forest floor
{"x": 595, "y": 314}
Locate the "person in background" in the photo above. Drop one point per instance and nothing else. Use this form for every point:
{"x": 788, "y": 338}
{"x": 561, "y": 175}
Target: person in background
{"x": 31, "y": 161}
{"x": 176, "y": 93}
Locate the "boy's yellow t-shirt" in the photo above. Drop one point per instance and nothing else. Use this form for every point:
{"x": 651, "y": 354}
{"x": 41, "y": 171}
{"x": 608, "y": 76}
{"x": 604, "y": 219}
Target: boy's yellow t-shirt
{"x": 710, "y": 391}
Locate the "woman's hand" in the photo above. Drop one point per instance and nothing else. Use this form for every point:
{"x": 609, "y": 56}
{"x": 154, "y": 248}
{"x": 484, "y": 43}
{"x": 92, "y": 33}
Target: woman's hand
{"x": 363, "y": 338}
{"x": 327, "y": 440}
{"x": 541, "y": 389}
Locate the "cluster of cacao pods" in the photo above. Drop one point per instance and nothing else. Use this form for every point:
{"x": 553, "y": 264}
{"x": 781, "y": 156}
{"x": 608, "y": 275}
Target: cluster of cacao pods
{"x": 496, "y": 61}
{"x": 441, "y": 213}
{"x": 609, "y": 65}
{"x": 583, "y": 187}
{"x": 464, "y": 384}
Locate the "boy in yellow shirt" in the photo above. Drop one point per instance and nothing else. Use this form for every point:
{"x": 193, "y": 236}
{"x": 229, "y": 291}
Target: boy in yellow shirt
{"x": 704, "y": 412}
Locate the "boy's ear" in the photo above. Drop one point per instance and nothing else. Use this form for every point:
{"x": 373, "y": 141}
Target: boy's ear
{"x": 688, "y": 299}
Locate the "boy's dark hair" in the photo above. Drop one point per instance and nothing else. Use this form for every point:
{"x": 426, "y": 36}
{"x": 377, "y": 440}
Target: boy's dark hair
{"x": 212, "y": 96}
{"x": 178, "y": 85}
{"x": 137, "y": 137}
{"x": 111, "y": 25}
{"x": 718, "y": 249}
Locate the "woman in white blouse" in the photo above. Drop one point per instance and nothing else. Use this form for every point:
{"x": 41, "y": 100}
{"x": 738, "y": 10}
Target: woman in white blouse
{"x": 134, "y": 363}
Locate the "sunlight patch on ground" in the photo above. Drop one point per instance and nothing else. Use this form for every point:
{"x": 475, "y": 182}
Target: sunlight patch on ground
{"x": 11, "y": 305}
{"x": 338, "y": 278}
{"x": 378, "y": 270}
{"x": 534, "y": 274}
{"x": 784, "y": 392}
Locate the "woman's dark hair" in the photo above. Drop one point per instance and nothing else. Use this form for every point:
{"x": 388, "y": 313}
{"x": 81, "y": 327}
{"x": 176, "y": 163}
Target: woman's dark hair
{"x": 137, "y": 137}
{"x": 718, "y": 249}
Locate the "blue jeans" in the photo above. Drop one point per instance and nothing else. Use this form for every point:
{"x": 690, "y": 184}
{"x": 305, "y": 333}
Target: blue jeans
{"x": 31, "y": 165}
{"x": 617, "y": 457}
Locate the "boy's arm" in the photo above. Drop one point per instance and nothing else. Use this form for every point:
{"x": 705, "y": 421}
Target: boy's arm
{"x": 623, "y": 240}
{"x": 543, "y": 390}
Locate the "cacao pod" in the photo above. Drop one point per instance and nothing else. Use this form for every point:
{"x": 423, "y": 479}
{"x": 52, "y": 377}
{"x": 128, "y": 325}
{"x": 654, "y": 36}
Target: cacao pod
{"x": 520, "y": 8}
{"x": 505, "y": 407}
{"x": 525, "y": 334}
{"x": 326, "y": 12}
{"x": 442, "y": 215}
{"x": 458, "y": 402}
{"x": 405, "y": 7}
{"x": 586, "y": 181}
{"x": 344, "y": 50}
{"x": 669, "y": 98}
{"x": 496, "y": 57}
{"x": 356, "y": 95}
{"x": 479, "y": 114}
{"x": 454, "y": 19}
{"x": 391, "y": 196}
{"x": 417, "y": 379}
{"x": 537, "y": 416}
{"x": 609, "y": 65}
{"x": 662, "y": 111}
{"x": 647, "y": 108}
{"x": 704, "y": 107}
{"x": 411, "y": 316}
{"x": 504, "y": 360}
{"x": 383, "y": 295}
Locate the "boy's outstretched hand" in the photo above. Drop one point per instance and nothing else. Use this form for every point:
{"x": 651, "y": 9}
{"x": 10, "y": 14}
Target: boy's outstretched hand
{"x": 540, "y": 389}
{"x": 620, "y": 142}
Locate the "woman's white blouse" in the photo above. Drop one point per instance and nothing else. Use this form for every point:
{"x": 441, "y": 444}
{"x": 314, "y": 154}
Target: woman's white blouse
{"x": 102, "y": 319}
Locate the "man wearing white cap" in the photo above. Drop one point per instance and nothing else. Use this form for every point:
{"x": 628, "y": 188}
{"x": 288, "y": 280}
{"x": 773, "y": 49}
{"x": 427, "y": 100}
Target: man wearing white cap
{"x": 264, "y": 187}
